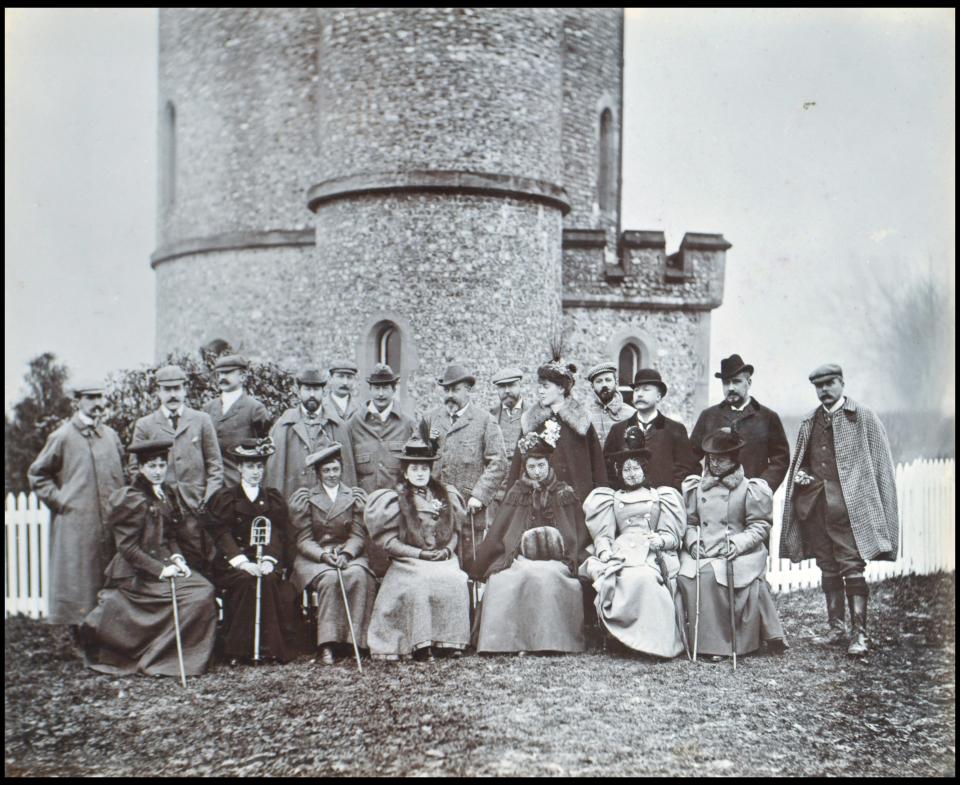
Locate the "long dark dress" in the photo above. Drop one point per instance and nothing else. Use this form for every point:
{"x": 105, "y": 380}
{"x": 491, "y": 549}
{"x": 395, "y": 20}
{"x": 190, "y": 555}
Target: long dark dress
{"x": 532, "y": 604}
{"x": 232, "y": 515}
{"x": 132, "y": 629}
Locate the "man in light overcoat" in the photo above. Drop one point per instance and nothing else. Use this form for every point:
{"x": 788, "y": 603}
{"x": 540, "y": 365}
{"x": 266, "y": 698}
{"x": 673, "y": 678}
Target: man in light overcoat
{"x": 841, "y": 502}
{"x": 507, "y": 413}
{"x": 80, "y": 465}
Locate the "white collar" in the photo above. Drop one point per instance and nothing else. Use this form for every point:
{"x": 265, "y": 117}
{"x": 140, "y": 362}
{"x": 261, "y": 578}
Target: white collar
{"x": 837, "y": 406}
{"x": 656, "y": 413}
{"x": 377, "y": 413}
{"x": 331, "y": 492}
{"x": 307, "y": 415}
{"x": 250, "y": 491}
{"x": 516, "y": 408}
{"x": 168, "y": 413}
{"x": 746, "y": 403}
{"x": 228, "y": 399}
{"x": 86, "y": 420}
{"x": 342, "y": 401}
{"x": 459, "y": 414}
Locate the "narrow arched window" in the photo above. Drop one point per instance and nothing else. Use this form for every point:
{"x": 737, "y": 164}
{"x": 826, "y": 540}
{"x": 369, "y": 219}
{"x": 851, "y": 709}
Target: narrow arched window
{"x": 631, "y": 361}
{"x": 168, "y": 155}
{"x": 388, "y": 345}
{"x": 606, "y": 174}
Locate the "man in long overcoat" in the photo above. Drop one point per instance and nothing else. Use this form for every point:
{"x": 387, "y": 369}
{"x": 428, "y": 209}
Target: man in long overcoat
{"x": 236, "y": 415}
{"x": 194, "y": 467}
{"x": 841, "y": 502}
{"x": 672, "y": 459}
{"x": 507, "y": 414}
{"x": 470, "y": 447}
{"x": 79, "y": 467}
{"x": 766, "y": 451}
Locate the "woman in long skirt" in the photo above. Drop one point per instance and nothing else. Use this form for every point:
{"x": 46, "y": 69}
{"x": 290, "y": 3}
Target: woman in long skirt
{"x": 636, "y": 535}
{"x": 330, "y": 545}
{"x": 132, "y": 628}
{"x": 241, "y": 516}
{"x": 729, "y": 519}
{"x": 533, "y": 600}
{"x": 423, "y": 603}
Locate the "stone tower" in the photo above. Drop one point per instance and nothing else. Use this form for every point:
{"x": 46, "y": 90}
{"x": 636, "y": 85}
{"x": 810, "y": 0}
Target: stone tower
{"x": 413, "y": 185}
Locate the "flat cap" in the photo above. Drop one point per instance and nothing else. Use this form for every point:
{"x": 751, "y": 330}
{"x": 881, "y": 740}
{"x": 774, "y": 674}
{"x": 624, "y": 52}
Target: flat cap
{"x": 311, "y": 376}
{"x": 87, "y": 387}
{"x": 324, "y": 454}
{"x": 599, "y": 368}
{"x": 171, "y": 374}
{"x": 231, "y": 362}
{"x": 507, "y": 375}
{"x": 343, "y": 365}
{"x": 824, "y": 372}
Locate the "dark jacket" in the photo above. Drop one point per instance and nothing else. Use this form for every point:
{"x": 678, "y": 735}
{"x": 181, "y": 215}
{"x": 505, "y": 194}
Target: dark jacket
{"x": 672, "y": 458}
{"x": 767, "y": 452}
{"x": 246, "y": 419}
{"x": 232, "y": 515}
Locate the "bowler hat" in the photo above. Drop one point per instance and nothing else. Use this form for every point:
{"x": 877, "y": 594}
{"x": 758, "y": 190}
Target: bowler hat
{"x": 230, "y": 362}
{"x": 824, "y": 372}
{"x": 324, "y": 455}
{"x": 342, "y": 365}
{"x": 147, "y": 449}
{"x": 252, "y": 450}
{"x": 507, "y": 376}
{"x": 311, "y": 376}
{"x": 731, "y": 366}
{"x": 650, "y": 376}
{"x": 416, "y": 450}
{"x": 721, "y": 442}
{"x": 382, "y": 374}
{"x": 171, "y": 374}
{"x": 87, "y": 387}
{"x": 456, "y": 373}
{"x": 596, "y": 370}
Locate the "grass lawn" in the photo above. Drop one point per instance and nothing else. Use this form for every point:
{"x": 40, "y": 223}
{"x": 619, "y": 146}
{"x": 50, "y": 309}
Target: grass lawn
{"x": 812, "y": 711}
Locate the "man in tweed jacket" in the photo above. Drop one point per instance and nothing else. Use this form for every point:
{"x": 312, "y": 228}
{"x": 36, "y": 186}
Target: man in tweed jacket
{"x": 841, "y": 502}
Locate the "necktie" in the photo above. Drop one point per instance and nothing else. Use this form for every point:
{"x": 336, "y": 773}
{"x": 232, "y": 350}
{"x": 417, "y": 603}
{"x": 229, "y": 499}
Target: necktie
{"x": 174, "y": 419}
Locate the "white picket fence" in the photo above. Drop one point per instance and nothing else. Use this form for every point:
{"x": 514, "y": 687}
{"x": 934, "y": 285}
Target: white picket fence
{"x": 925, "y": 492}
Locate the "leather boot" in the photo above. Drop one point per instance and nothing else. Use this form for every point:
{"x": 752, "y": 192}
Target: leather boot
{"x": 326, "y": 655}
{"x": 858, "y": 617}
{"x": 836, "y": 619}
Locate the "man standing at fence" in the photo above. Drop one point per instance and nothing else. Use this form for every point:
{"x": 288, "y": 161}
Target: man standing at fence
{"x": 841, "y": 502}
{"x": 79, "y": 467}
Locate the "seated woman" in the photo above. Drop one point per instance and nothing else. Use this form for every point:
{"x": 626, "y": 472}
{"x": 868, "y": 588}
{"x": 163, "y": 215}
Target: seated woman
{"x": 636, "y": 534}
{"x": 234, "y": 512}
{"x": 729, "y": 518}
{"x": 533, "y": 600}
{"x": 330, "y": 537}
{"x": 423, "y": 601}
{"x": 132, "y": 628}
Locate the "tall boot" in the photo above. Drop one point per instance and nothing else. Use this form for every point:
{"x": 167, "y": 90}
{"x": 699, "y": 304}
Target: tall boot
{"x": 836, "y": 612}
{"x": 858, "y": 616}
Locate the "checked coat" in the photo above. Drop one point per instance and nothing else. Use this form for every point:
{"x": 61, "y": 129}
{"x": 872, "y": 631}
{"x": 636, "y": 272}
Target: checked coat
{"x": 867, "y": 477}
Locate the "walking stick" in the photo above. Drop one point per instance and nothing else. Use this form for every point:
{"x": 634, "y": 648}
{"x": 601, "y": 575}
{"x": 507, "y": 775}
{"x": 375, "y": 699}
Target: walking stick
{"x": 677, "y": 613}
{"x": 733, "y": 623}
{"x": 346, "y": 607}
{"x": 696, "y": 618}
{"x": 259, "y": 536}
{"x": 176, "y": 629}
{"x": 473, "y": 545}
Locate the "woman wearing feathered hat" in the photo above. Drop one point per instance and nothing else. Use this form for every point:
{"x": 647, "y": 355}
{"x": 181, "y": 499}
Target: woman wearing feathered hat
{"x": 233, "y": 512}
{"x": 533, "y": 600}
{"x": 636, "y": 534}
{"x": 423, "y": 603}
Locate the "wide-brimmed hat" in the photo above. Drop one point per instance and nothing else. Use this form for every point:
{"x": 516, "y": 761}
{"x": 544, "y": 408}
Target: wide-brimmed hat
{"x": 171, "y": 374}
{"x": 382, "y": 374}
{"x": 824, "y": 372}
{"x": 596, "y": 370}
{"x": 650, "y": 376}
{"x": 324, "y": 455}
{"x": 311, "y": 376}
{"x": 540, "y": 443}
{"x": 148, "y": 449}
{"x": 416, "y": 450}
{"x": 87, "y": 387}
{"x": 731, "y": 366}
{"x": 231, "y": 362}
{"x": 722, "y": 442}
{"x": 456, "y": 373}
{"x": 507, "y": 375}
{"x": 252, "y": 450}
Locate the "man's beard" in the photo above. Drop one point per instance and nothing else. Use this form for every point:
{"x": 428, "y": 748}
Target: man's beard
{"x": 311, "y": 405}
{"x": 606, "y": 394}
{"x": 509, "y": 400}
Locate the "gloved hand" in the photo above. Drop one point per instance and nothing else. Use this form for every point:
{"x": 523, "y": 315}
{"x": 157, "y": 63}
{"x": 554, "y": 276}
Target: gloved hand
{"x": 360, "y": 500}
{"x": 343, "y": 560}
{"x": 181, "y": 563}
{"x": 329, "y": 558}
{"x": 250, "y": 568}
{"x": 266, "y": 567}
{"x": 732, "y": 552}
{"x": 435, "y": 555}
{"x": 474, "y": 505}
{"x": 604, "y": 556}
{"x": 170, "y": 571}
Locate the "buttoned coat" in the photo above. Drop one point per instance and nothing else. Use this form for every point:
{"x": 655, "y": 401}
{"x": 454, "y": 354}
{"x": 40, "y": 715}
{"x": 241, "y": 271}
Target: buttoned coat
{"x": 472, "y": 455}
{"x": 868, "y": 481}
{"x": 194, "y": 466}
{"x": 287, "y": 468}
{"x": 378, "y": 445}
{"x": 335, "y": 427}
{"x": 767, "y": 451}
{"x": 232, "y": 515}
{"x": 671, "y": 460}
{"x": 509, "y": 423}
{"x": 75, "y": 474}
{"x": 334, "y": 410}
{"x": 248, "y": 418}
{"x": 605, "y": 416}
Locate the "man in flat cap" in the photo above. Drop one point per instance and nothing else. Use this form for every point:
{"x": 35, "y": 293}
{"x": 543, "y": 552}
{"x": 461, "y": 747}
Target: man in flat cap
{"x": 194, "y": 466}
{"x": 841, "y": 502}
{"x": 470, "y": 447}
{"x": 766, "y": 451}
{"x": 236, "y": 416}
{"x": 339, "y": 401}
{"x": 606, "y": 406}
{"x": 507, "y": 413}
{"x": 671, "y": 457}
{"x": 80, "y": 465}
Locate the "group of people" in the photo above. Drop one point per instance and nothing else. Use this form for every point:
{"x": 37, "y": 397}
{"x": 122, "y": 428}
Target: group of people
{"x": 531, "y": 527}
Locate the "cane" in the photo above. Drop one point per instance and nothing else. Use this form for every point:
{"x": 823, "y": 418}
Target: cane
{"x": 259, "y": 536}
{"x": 733, "y": 623}
{"x": 176, "y": 629}
{"x": 346, "y": 607}
{"x": 696, "y": 617}
{"x": 473, "y": 547}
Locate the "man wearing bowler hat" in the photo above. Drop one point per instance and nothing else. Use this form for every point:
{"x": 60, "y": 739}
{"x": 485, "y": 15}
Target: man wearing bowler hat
{"x": 671, "y": 457}
{"x": 469, "y": 444}
{"x": 507, "y": 413}
{"x": 766, "y": 451}
{"x": 841, "y": 503}
{"x": 606, "y": 407}
{"x": 194, "y": 465}
{"x": 80, "y": 466}
{"x": 236, "y": 416}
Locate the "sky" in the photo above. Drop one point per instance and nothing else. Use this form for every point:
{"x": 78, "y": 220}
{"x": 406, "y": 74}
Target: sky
{"x": 821, "y": 143}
